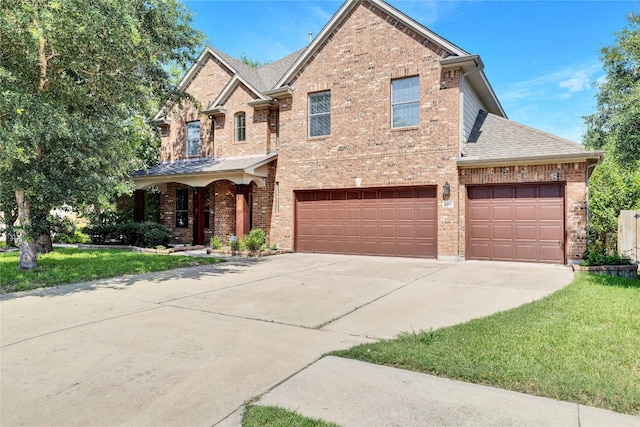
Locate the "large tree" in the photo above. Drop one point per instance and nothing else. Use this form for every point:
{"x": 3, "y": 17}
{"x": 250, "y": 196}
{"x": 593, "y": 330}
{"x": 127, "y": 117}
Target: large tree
{"x": 78, "y": 82}
{"x": 615, "y": 128}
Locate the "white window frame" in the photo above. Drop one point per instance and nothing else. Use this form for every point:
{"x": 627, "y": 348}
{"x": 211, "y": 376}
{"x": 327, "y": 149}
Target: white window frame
{"x": 405, "y": 102}
{"x": 193, "y": 138}
{"x": 316, "y": 118}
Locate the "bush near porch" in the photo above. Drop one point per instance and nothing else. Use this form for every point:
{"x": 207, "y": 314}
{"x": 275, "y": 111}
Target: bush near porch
{"x": 141, "y": 234}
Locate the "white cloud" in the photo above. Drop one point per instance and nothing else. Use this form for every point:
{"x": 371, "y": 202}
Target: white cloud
{"x": 577, "y": 83}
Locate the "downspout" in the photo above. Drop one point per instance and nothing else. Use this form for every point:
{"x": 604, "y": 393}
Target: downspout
{"x": 461, "y": 138}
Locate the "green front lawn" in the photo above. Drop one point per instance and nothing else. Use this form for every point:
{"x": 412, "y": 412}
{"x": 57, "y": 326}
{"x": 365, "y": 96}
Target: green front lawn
{"x": 65, "y": 265}
{"x": 580, "y": 344}
{"x": 271, "y": 416}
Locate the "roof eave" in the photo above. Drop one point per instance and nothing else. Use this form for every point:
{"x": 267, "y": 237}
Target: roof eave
{"x": 468, "y": 64}
{"x": 469, "y": 162}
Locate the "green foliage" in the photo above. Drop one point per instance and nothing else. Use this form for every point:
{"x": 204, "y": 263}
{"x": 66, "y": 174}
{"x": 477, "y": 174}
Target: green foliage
{"x": 559, "y": 347}
{"x": 612, "y": 188}
{"x": 253, "y": 63}
{"x": 234, "y": 243}
{"x": 272, "y": 416}
{"x": 78, "y": 83}
{"x": 616, "y": 124}
{"x": 255, "y": 240}
{"x": 598, "y": 254}
{"x": 216, "y": 242}
{"x": 66, "y": 265}
{"x": 141, "y": 234}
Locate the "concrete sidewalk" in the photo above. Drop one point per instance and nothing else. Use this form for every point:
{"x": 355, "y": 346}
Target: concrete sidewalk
{"x": 354, "y": 393}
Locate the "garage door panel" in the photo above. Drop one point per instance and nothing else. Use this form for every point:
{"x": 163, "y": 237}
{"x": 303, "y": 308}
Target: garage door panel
{"x": 502, "y": 232}
{"x": 516, "y": 222}
{"x": 392, "y": 221}
{"x": 369, "y": 213}
{"x": 551, "y": 212}
{"x": 387, "y": 214}
{"x": 526, "y": 232}
{"x": 502, "y": 213}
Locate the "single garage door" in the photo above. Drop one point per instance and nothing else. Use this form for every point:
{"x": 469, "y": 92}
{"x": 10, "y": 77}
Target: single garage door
{"x": 516, "y": 223}
{"x": 390, "y": 221}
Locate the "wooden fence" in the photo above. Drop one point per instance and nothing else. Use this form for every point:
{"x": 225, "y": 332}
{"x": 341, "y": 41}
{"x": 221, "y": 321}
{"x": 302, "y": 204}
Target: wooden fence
{"x": 629, "y": 234}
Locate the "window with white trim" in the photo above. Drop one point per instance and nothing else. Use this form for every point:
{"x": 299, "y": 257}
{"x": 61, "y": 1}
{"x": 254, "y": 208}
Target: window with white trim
{"x": 405, "y": 102}
{"x": 241, "y": 126}
{"x": 320, "y": 113}
{"x": 193, "y": 139}
{"x": 182, "y": 207}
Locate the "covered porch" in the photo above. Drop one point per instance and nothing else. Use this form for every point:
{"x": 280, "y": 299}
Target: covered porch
{"x": 205, "y": 197}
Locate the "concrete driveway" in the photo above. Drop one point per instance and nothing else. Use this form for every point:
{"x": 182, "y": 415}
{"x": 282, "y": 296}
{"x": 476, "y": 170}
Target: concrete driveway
{"x": 190, "y": 346}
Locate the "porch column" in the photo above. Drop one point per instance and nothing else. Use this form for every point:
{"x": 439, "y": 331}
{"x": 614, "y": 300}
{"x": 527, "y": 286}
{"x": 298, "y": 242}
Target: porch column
{"x": 198, "y": 215}
{"x": 138, "y": 205}
{"x": 242, "y": 210}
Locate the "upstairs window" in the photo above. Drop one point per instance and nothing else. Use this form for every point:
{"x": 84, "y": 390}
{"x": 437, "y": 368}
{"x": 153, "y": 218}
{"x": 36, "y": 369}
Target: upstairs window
{"x": 405, "y": 102}
{"x": 320, "y": 113}
{"x": 182, "y": 208}
{"x": 193, "y": 139}
{"x": 241, "y": 126}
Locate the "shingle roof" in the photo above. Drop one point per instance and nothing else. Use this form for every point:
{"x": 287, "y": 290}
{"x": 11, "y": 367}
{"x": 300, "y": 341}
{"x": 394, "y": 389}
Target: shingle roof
{"x": 265, "y": 77}
{"x": 204, "y": 165}
{"x": 496, "y": 138}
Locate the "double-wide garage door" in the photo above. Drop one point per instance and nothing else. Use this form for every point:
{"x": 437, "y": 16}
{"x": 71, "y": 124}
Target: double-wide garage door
{"x": 390, "y": 221}
{"x": 516, "y": 223}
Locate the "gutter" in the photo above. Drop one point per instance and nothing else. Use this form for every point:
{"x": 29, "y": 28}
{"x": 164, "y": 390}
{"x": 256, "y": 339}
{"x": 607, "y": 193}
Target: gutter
{"x": 471, "y": 162}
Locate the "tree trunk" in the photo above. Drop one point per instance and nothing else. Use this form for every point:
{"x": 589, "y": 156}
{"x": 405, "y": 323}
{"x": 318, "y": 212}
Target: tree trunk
{"x": 28, "y": 246}
{"x": 44, "y": 243}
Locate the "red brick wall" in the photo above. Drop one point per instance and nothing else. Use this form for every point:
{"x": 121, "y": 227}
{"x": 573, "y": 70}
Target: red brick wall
{"x": 357, "y": 66}
{"x": 573, "y": 174}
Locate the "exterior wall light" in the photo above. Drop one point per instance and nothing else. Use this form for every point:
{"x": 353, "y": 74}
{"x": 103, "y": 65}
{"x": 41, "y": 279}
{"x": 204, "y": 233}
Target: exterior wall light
{"x": 446, "y": 191}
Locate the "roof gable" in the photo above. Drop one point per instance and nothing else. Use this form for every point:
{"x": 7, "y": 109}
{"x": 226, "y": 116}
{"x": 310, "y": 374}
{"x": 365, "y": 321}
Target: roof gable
{"x": 393, "y": 16}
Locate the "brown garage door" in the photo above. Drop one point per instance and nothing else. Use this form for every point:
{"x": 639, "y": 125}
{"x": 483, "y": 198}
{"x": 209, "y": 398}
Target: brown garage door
{"x": 516, "y": 223}
{"x": 392, "y": 222}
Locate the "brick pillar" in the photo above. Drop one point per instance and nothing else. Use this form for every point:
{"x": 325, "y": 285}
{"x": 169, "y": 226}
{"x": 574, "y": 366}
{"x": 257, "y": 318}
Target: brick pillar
{"x": 242, "y": 210}
{"x": 138, "y": 205}
{"x": 198, "y": 215}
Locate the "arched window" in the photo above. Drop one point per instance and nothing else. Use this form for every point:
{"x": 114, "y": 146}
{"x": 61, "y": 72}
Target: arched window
{"x": 241, "y": 126}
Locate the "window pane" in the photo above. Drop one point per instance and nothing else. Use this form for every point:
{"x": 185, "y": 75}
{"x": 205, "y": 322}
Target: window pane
{"x": 405, "y": 90}
{"x": 182, "y": 207}
{"x": 405, "y": 115}
{"x": 320, "y": 125}
{"x": 193, "y": 138}
{"x": 240, "y": 126}
{"x": 405, "y": 102}
{"x": 320, "y": 103}
{"x": 320, "y": 114}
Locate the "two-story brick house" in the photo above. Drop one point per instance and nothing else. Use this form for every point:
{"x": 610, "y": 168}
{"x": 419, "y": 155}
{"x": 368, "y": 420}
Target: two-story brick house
{"x": 379, "y": 138}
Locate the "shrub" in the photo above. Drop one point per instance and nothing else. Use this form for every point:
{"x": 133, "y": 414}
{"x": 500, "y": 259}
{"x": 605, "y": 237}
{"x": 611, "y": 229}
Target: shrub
{"x": 216, "y": 242}
{"x": 142, "y": 234}
{"x": 255, "y": 239}
{"x": 234, "y": 243}
{"x": 596, "y": 254}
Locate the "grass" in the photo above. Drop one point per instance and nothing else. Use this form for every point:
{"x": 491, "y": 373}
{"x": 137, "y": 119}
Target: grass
{"x": 580, "y": 344}
{"x": 271, "y": 416}
{"x": 66, "y": 265}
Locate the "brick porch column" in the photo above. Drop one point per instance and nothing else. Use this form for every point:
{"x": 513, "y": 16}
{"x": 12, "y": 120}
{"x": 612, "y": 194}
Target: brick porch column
{"x": 242, "y": 210}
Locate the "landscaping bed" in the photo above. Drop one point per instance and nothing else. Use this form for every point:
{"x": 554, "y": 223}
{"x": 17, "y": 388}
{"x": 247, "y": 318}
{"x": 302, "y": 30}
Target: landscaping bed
{"x": 626, "y": 271}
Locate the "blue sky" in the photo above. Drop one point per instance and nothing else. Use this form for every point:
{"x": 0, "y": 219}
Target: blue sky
{"x": 541, "y": 57}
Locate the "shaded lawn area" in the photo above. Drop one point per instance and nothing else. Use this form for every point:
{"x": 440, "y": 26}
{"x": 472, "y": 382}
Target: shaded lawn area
{"x": 580, "y": 344}
{"x": 68, "y": 265}
{"x": 271, "y": 416}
